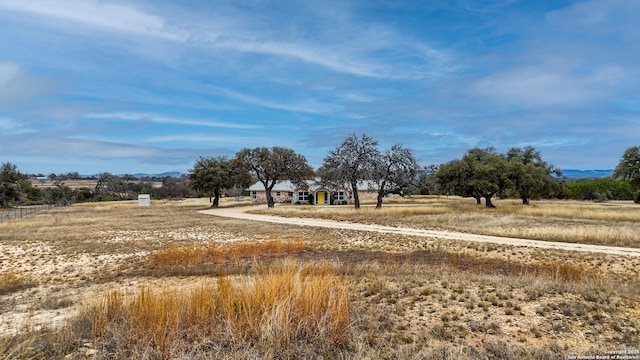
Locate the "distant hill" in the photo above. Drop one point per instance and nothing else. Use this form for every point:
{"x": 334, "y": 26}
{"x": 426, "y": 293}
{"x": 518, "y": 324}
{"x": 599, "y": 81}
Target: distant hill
{"x": 569, "y": 173}
{"x": 141, "y": 175}
{"x": 161, "y": 175}
{"x": 586, "y": 174}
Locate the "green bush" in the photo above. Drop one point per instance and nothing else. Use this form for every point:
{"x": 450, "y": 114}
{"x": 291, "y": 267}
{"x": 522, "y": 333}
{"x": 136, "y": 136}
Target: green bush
{"x": 636, "y": 197}
{"x": 599, "y": 189}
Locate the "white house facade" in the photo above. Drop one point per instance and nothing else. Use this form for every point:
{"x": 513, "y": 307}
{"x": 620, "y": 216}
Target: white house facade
{"x": 313, "y": 193}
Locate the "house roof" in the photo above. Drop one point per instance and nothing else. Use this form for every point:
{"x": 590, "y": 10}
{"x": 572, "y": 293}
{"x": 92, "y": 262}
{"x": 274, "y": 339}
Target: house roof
{"x": 287, "y": 185}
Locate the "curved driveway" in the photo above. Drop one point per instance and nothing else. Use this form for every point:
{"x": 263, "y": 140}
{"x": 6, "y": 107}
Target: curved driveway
{"x": 242, "y": 213}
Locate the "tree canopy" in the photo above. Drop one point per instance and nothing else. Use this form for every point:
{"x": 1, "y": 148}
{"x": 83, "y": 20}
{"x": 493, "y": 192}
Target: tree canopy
{"x": 213, "y": 175}
{"x": 454, "y": 178}
{"x": 352, "y": 162}
{"x": 529, "y": 174}
{"x": 481, "y": 173}
{"x": 271, "y": 165}
{"x": 15, "y": 186}
{"x": 394, "y": 172}
{"x": 427, "y": 181}
{"x": 629, "y": 166}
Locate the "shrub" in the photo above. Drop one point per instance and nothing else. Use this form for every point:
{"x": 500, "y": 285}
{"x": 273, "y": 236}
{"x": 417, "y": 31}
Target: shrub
{"x": 636, "y": 197}
{"x": 599, "y": 189}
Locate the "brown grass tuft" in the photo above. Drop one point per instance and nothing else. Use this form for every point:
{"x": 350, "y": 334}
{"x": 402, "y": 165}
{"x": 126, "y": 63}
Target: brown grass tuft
{"x": 11, "y": 281}
{"x": 279, "y": 305}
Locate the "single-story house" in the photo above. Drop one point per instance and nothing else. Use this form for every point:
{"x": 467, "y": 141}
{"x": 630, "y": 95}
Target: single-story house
{"x": 282, "y": 192}
{"x": 314, "y": 193}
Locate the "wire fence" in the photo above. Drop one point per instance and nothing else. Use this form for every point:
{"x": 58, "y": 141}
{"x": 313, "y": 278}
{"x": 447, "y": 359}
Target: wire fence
{"x": 7, "y": 215}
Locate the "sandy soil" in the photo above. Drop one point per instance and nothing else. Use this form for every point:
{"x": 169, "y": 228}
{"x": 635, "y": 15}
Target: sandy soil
{"x": 68, "y": 276}
{"x": 242, "y": 213}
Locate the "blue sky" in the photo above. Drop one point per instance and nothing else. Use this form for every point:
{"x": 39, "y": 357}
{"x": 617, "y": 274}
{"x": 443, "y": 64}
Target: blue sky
{"x": 149, "y": 86}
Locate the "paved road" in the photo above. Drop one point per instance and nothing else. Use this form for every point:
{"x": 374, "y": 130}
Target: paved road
{"x": 241, "y": 213}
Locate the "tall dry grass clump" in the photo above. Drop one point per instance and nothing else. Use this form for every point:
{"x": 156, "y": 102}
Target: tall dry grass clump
{"x": 277, "y": 308}
{"x": 10, "y": 282}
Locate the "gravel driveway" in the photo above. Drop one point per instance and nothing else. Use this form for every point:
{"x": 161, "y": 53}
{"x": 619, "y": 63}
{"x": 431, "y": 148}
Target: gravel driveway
{"x": 242, "y": 213}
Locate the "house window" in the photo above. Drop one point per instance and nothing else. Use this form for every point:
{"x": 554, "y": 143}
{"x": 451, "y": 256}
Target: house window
{"x": 340, "y": 196}
{"x": 303, "y": 196}
{"x": 254, "y": 195}
{"x": 277, "y": 194}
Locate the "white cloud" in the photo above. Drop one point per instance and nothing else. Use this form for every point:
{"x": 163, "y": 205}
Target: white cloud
{"x": 17, "y": 85}
{"x": 12, "y": 127}
{"x": 329, "y": 57}
{"x": 305, "y": 106}
{"x": 547, "y": 86}
{"x": 161, "y": 119}
{"x": 44, "y": 145}
{"x": 358, "y": 97}
{"x": 423, "y": 61}
{"x": 98, "y": 13}
{"x": 8, "y": 72}
{"x": 579, "y": 56}
{"x": 554, "y": 142}
{"x": 334, "y": 37}
{"x": 211, "y": 139}
{"x": 236, "y": 30}
{"x": 599, "y": 17}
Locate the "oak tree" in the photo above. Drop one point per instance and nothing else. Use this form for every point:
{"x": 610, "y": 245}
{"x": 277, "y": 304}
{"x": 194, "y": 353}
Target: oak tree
{"x": 453, "y": 179}
{"x": 529, "y": 174}
{"x": 481, "y": 173}
{"x": 629, "y": 166}
{"x": 272, "y": 165}
{"x": 353, "y": 162}
{"x": 394, "y": 172}
{"x": 212, "y": 175}
{"x": 12, "y": 184}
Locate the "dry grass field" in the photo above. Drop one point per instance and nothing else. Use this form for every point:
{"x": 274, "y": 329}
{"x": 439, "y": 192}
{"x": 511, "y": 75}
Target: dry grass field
{"x": 611, "y": 223}
{"x": 74, "y": 184}
{"x": 114, "y": 281}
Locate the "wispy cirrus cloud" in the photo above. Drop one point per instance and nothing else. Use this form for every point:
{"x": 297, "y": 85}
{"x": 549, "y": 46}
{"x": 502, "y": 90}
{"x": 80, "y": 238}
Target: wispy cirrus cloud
{"x": 351, "y": 55}
{"x": 42, "y": 145}
{"x": 572, "y": 56}
{"x": 107, "y": 15}
{"x": 548, "y": 86}
{"x": 600, "y": 18}
{"x": 155, "y": 79}
{"x": 343, "y": 58}
{"x": 558, "y": 142}
{"x": 311, "y": 106}
{"x": 243, "y": 141}
{"x": 317, "y": 55}
{"x": 161, "y": 119}
{"x": 12, "y": 127}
